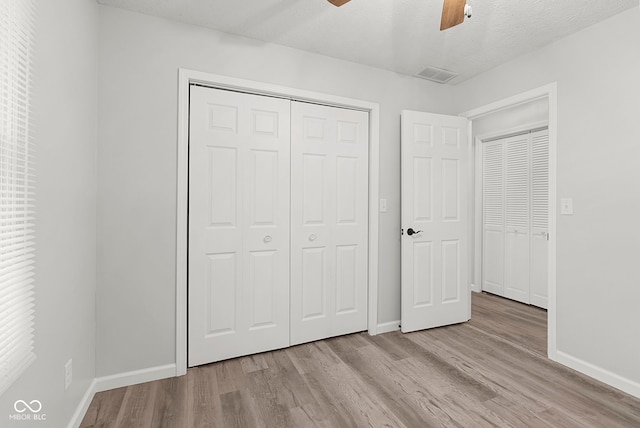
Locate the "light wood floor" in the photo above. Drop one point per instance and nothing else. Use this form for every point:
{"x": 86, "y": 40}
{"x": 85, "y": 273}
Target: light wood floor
{"x": 489, "y": 372}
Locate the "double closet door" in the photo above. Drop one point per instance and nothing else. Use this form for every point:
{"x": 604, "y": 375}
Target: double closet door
{"x": 278, "y": 214}
{"x": 515, "y": 181}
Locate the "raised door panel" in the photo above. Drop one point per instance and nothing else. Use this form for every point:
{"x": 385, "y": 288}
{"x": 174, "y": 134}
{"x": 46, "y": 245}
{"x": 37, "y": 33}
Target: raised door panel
{"x": 329, "y": 211}
{"x": 238, "y": 224}
{"x": 313, "y": 284}
{"x": 421, "y": 277}
{"x": 221, "y": 291}
{"x": 347, "y": 279}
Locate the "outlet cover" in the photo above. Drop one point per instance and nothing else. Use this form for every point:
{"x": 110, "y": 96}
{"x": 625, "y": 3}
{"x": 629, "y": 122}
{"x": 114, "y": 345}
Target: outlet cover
{"x": 566, "y": 206}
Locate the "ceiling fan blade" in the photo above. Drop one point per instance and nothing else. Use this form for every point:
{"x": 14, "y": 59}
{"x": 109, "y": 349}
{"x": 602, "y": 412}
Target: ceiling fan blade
{"x": 452, "y": 13}
{"x": 338, "y": 2}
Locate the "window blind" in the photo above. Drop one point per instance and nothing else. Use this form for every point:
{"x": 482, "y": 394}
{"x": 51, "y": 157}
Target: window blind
{"x": 16, "y": 191}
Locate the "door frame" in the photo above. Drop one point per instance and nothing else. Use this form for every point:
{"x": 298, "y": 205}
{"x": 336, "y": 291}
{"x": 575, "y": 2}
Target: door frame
{"x": 187, "y": 77}
{"x": 550, "y": 92}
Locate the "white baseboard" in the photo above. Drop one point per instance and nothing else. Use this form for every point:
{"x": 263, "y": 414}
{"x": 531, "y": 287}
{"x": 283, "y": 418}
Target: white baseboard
{"x": 386, "y": 327}
{"x": 598, "y": 373}
{"x": 82, "y": 408}
{"x": 117, "y": 381}
{"x": 120, "y": 380}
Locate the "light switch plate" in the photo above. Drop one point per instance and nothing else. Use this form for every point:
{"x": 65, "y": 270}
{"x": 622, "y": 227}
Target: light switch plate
{"x": 383, "y": 205}
{"x": 566, "y": 206}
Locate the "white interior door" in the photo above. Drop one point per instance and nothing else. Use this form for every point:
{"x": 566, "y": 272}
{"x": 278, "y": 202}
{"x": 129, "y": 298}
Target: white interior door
{"x": 434, "y": 164}
{"x": 329, "y": 213}
{"x": 239, "y": 147}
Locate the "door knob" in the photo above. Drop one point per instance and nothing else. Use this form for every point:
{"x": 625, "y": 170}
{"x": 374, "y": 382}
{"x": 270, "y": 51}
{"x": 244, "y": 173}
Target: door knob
{"x": 312, "y": 237}
{"x": 267, "y": 239}
{"x": 410, "y": 231}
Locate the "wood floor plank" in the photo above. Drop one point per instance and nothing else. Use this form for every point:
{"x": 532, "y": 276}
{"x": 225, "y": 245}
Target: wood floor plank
{"x": 138, "y": 405}
{"x": 104, "y": 408}
{"x": 239, "y": 411}
{"x": 230, "y": 376}
{"x": 204, "y": 408}
{"x": 492, "y": 371}
{"x": 170, "y": 404}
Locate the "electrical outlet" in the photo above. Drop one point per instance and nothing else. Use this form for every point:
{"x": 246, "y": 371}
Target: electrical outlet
{"x": 68, "y": 374}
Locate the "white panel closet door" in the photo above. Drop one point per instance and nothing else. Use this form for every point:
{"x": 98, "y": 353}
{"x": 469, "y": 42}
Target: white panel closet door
{"x": 517, "y": 204}
{"x": 539, "y": 217}
{"x": 329, "y": 216}
{"x": 434, "y": 165}
{"x": 239, "y": 147}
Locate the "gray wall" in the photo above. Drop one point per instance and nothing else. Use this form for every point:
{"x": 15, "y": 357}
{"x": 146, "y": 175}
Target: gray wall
{"x": 597, "y": 72}
{"x": 139, "y": 59}
{"x": 64, "y": 110}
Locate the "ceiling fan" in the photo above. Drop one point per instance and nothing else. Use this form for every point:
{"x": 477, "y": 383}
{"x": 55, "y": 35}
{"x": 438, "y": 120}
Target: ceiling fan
{"x": 453, "y": 12}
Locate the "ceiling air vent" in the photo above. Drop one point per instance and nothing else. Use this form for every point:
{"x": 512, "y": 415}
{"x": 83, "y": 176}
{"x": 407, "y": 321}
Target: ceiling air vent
{"x": 437, "y": 74}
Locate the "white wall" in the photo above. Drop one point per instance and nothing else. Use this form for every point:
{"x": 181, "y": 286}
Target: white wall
{"x": 139, "y": 59}
{"x": 597, "y": 72}
{"x": 64, "y": 111}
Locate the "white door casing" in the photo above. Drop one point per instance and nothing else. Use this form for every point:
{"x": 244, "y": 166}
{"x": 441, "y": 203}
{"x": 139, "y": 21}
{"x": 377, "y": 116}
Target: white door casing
{"x": 238, "y": 224}
{"x": 434, "y": 192}
{"x": 329, "y": 221}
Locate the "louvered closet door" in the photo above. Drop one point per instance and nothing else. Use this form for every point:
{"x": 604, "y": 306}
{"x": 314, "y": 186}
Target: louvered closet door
{"x": 239, "y": 147}
{"x": 329, "y": 217}
{"x": 493, "y": 217}
{"x": 539, "y": 217}
{"x": 515, "y": 217}
{"x": 517, "y": 195}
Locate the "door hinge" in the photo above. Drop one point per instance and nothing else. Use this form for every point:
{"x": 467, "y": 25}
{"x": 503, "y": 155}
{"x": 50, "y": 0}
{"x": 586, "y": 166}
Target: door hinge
{"x": 401, "y": 231}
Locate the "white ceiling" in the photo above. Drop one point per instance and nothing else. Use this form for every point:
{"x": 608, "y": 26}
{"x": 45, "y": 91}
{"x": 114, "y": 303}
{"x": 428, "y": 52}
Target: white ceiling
{"x": 397, "y": 35}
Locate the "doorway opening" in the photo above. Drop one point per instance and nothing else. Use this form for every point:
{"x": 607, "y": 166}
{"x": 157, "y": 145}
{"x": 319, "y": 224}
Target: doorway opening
{"x": 498, "y": 115}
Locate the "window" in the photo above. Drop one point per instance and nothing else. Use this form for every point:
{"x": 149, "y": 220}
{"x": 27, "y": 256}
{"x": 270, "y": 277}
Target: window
{"x": 16, "y": 191}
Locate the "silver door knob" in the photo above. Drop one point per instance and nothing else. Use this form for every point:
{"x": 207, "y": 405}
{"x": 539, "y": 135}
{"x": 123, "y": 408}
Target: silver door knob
{"x": 267, "y": 238}
{"x": 312, "y": 237}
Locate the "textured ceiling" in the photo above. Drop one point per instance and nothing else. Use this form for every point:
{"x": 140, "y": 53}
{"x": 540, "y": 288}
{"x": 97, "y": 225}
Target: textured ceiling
{"x": 397, "y": 35}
